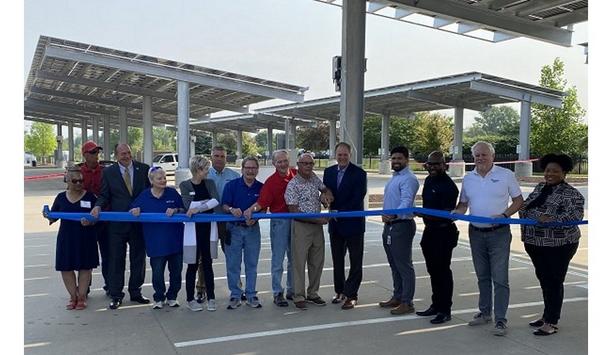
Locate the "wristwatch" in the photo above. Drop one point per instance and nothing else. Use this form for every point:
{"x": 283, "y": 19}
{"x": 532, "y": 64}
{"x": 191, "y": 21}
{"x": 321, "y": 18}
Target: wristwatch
{"x": 230, "y": 209}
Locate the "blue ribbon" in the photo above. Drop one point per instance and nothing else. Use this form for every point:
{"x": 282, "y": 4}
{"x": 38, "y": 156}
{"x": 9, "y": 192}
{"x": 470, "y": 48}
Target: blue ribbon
{"x": 177, "y": 218}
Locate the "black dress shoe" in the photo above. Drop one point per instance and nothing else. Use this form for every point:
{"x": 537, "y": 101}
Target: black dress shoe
{"x": 243, "y": 297}
{"x": 428, "y": 312}
{"x": 536, "y": 323}
{"x": 140, "y": 299}
{"x": 115, "y": 303}
{"x": 441, "y": 318}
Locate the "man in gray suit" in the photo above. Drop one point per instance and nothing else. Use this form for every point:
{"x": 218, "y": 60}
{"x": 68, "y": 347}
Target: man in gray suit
{"x": 122, "y": 182}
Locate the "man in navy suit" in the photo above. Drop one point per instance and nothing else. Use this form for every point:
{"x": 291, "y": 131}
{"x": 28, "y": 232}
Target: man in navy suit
{"x": 122, "y": 182}
{"x": 348, "y": 184}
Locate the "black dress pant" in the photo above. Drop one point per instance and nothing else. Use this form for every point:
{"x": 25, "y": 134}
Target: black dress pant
{"x": 339, "y": 245}
{"x": 437, "y": 245}
{"x": 551, "y": 265}
{"x": 203, "y": 255}
{"x": 117, "y": 248}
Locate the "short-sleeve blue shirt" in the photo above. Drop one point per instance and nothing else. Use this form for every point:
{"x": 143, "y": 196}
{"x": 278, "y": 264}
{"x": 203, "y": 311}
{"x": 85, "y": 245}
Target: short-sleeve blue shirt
{"x": 161, "y": 239}
{"x": 238, "y": 194}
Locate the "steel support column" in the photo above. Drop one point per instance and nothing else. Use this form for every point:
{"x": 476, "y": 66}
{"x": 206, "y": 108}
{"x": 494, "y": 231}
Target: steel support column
{"x": 59, "y": 156}
{"x": 353, "y": 62}
{"x": 238, "y": 146}
{"x": 182, "y": 135}
{"x": 385, "y": 164}
{"x": 332, "y": 143}
{"x": 95, "y": 129}
{"x": 70, "y": 143}
{"x": 106, "y": 138}
{"x": 457, "y": 166}
{"x": 147, "y": 130}
{"x": 84, "y": 137}
{"x": 524, "y": 167}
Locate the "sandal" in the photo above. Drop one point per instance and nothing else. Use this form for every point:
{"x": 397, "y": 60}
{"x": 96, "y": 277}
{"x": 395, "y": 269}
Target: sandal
{"x": 71, "y": 304}
{"x": 81, "y": 304}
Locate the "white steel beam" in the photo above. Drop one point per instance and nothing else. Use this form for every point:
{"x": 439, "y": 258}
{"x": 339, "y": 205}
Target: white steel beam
{"x": 174, "y": 73}
{"x": 493, "y": 20}
{"x": 138, "y": 91}
{"x": 516, "y": 93}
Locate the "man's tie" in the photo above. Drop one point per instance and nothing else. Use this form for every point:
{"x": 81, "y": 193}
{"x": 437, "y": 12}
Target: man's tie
{"x": 339, "y": 178}
{"x": 127, "y": 180}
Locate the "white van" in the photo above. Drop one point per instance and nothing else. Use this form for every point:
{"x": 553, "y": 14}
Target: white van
{"x": 168, "y": 162}
{"x": 29, "y": 159}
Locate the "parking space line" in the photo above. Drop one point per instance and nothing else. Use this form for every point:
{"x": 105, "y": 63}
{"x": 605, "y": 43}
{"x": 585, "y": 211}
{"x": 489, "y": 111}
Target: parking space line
{"x": 337, "y": 325}
{"x": 36, "y": 246}
{"x": 35, "y": 265}
{"x": 37, "y": 278}
{"x": 35, "y": 345}
{"x": 36, "y": 295}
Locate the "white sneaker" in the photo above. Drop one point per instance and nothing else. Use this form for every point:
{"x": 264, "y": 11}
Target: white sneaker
{"x": 158, "y": 305}
{"x": 194, "y": 306}
{"x": 172, "y": 303}
{"x": 212, "y": 305}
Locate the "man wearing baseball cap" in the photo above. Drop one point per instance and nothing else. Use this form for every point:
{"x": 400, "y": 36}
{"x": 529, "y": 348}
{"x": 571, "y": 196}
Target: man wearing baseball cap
{"x": 92, "y": 182}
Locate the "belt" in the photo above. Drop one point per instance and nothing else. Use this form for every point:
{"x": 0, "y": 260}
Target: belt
{"x": 397, "y": 221}
{"x": 488, "y": 229}
{"x": 439, "y": 225}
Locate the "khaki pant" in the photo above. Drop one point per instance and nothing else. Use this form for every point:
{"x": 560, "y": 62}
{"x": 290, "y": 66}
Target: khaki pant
{"x": 307, "y": 246}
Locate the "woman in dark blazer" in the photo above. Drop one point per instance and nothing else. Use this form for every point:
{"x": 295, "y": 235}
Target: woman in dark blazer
{"x": 552, "y": 247}
{"x": 200, "y": 189}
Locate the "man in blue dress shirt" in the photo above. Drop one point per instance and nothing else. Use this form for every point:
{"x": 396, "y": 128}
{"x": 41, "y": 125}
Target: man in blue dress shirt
{"x": 399, "y": 232}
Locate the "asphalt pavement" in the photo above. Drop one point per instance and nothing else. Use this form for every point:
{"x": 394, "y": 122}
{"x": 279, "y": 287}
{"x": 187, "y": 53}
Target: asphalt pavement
{"x": 367, "y": 329}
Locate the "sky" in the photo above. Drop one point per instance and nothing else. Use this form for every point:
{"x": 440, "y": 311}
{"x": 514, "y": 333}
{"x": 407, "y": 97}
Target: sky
{"x": 291, "y": 41}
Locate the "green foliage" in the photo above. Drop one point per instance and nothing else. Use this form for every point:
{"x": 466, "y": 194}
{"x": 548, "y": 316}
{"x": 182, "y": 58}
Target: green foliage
{"x": 228, "y": 141}
{"x": 433, "y": 132}
{"x": 313, "y": 139}
{"x": 41, "y": 140}
{"x": 164, "y": 140}
{"x": 502, "y": 144}
{"x": 499, "y": 120}
{"x": 249, "y": 146}
{"x": 558, "y": 130}
{"x": 203, "y": 143}
{"x": 371, "y": 134}
{"x": 135, "y": 139}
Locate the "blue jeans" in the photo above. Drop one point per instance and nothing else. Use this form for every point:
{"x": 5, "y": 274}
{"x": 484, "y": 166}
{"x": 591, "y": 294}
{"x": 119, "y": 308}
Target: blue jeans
{"x": 245, "y": 240}
{"x": 280, "y": 239}
{"x": 491, "y": 254}
{"x": 175, "y": 267}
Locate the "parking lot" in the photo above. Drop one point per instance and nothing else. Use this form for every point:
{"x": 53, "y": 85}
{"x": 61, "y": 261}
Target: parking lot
{"x": 367, "y": 329}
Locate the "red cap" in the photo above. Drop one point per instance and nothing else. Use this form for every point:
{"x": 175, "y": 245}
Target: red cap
{"x": 89, "y": 146}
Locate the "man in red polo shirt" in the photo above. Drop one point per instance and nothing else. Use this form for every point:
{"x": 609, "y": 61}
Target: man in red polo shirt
{"x": 92, "y": 182}
{"x": 272, "y": 196}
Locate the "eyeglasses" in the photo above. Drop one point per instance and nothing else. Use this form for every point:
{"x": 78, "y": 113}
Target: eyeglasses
{"x": 77, "y": 181}
{"x": 250, "y": 168}
{"x": 433, "y": 163}
{"x": 306, "y": 163}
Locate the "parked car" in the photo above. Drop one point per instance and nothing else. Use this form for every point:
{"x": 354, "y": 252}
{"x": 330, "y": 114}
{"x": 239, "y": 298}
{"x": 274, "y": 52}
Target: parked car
{"x": 168, "y": 162}
{"x": 29, "y": 159}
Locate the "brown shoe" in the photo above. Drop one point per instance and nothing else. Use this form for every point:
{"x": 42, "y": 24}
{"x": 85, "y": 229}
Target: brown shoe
{"x": 392, "y": 303}
{"x": 403, "y": 308}
{"x": 300, "y": 304}
{"x": 349, "y": 303}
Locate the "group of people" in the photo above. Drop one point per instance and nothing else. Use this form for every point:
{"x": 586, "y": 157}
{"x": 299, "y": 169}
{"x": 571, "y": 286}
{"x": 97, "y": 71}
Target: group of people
{"x": 132, "y": 186}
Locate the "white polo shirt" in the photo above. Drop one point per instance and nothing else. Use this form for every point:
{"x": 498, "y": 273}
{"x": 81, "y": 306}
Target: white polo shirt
{"x": 488, "y": 196}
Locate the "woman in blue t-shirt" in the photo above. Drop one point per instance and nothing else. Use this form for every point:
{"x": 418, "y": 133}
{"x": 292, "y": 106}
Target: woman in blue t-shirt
{"x": 163, "y": 241}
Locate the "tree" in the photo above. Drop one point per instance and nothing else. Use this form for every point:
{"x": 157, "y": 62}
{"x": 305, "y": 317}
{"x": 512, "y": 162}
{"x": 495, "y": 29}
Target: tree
{"x": 558, "y": 130}
{"x": 134, "y": 139}
{"x": 41, "y": 140}
{"x": 249, "y": 147}
{"x": 433, "y": 132}
{"x": 371, "y": 134}
{"x": 228, "y": 141}
{"x": 313, "y": 139}
{"x": 499, "y": 120}
{"x": 164, "y": 139}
